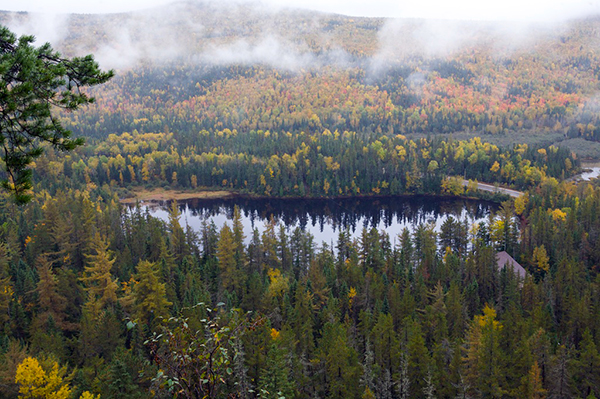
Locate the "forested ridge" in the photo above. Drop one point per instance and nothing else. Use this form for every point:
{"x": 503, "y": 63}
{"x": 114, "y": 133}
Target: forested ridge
{"x": 101, "y": 300}
{"x": 252, "y": 69}
{"x": 300, "y": 165}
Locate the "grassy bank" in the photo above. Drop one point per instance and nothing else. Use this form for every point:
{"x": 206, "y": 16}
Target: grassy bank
{"x": 162, "y": 194}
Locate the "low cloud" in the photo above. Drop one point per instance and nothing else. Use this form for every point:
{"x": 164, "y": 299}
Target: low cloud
{"x": 236, "y": 32}
{"x": 402, "y": 39}
{"x": 270, "y": 51}
{"x": 46, "y": 27}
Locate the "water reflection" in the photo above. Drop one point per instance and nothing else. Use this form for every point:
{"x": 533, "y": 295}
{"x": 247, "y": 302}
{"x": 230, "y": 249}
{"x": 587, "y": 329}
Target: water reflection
{"x": 324, "y": 218}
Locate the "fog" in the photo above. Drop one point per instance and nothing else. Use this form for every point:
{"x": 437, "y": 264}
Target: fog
{"x": 209, "y": 32}
{"x": 273, "y": 34}
{"x": 400, "y": 39}
{"x": 476, "y": 10}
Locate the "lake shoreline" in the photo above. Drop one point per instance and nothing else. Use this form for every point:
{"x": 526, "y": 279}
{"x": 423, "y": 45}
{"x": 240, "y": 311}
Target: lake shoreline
{"x": 324, "y": 218}
{"x": 161, "y": 195}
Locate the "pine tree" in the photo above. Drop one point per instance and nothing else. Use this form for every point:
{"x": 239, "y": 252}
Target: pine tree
{"x": 456, "y": 312}
{"x": 340, "y": 361}
{"x": 51, "y": 302}
{"x": 269, "y": 246}
{"x": 386, "y": 344}
{"x": 302, "y": 320}
{"x": 238, "y": 237}
{"x": 231, "y": 276}
{"x": 275, "y": 378}
{"x": 6, "y": 287}
{"x": 587, "y": 367}
{"x": 418, "y": 360}
{"x": 489, "y": 375}
{"x": 34, "y": 81}
{"x": 120, "y": 383}
{"x": 178, "y": 242}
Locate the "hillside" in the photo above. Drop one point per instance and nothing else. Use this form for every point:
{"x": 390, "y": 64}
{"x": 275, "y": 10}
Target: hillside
{"x": 196, "y": 66}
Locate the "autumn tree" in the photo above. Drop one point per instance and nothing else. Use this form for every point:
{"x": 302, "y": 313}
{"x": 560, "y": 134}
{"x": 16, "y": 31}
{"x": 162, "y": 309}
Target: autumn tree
{"x": 45, "y": 380}
{"x": 149, "y": 294}
{"x": 99, "y": 283}
{"x": 35, "y": 382}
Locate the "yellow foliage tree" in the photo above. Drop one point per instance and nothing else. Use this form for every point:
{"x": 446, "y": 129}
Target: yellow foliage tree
{"x": 149, "y": 293}
{"x": 540, "y": 258}
{"x": 99, "y": 283}
{"x": 88, "y": 395}
{"x": 558, "y": 215}
{"x": 35, "y": 382}
{"x": 495, "y": 167}
{"x": 521, "y": 203}
{"x": 453, "y": 186}
{"x": 279, "y": 283}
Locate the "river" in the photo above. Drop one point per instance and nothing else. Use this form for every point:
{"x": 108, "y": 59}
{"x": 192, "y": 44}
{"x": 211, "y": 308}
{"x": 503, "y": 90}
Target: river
{"x": 325, "y": 218}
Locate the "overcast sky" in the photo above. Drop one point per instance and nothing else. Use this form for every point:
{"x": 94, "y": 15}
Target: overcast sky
{"x": 445, "y": 9}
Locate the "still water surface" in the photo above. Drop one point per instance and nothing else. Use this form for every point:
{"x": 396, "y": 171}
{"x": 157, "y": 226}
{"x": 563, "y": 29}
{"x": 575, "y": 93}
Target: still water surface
{"x": 325, "y": 218}
{"x": 592, "y": 171}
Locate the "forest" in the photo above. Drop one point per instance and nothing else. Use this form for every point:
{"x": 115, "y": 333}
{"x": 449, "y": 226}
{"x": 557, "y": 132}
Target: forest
{"x": 102, "y": 300}
{"x": 121, "y": 303}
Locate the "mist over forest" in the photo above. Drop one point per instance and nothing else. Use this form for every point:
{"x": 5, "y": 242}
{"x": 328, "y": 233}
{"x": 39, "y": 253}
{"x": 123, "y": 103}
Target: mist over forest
{"x": 286, "y": 108}
{"x": 508, "y": 64}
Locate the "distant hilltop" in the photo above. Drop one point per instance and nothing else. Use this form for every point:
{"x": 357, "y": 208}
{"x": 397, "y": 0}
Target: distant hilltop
{"x": 204, "y": 31}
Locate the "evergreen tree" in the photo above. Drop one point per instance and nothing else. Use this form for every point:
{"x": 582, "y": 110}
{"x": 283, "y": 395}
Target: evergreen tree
{"x": 120, "y": 383}
{"x": 51, "y": 302}
{"x": 34, "y": 81}
{"x": 587, "y": 367}
{"x": 231, "y": 276}
{"x": 418, "y": 360}
{"x": 275, "y": 378}
{"x": 149, "y": 294}
{"x": 98, "y": 280}
{"x": 340, "y": 361}
{"x": 177, "y": 237}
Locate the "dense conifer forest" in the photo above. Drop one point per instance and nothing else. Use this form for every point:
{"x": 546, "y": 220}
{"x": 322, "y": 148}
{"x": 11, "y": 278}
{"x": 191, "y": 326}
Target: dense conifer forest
{"x": 100, "y": 300}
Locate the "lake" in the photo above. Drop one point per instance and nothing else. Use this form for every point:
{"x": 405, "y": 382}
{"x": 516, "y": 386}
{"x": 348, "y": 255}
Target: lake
{"x": 324, "y": 218}
{"x": 592, "y": 171}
